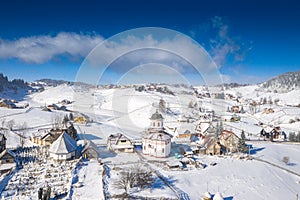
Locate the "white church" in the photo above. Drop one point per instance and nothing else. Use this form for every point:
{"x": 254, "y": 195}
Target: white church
{"x": 156, "y": 142}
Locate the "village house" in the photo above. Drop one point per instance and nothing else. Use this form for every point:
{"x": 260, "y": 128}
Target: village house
{"x": 7, "y": 156}
{"x": 5, "y": 103}
{"x": 80, "y": 119}
{"x": 119, "y": 143}
{"x": 204, "y": 123}
{"x": 276, "y": 133}
{"x": 46, "y": 138}
{"x": 229, "y": 140}
{"x": 187, "y": 134}
{"x": 2, "y": 142}
{"x": 210, "y": 131}
{"x": 90, "y": 150}
{"x": 7, "y": 161}
{"x": 235, "y": 109}
{"x": 156, "y": 142}
{"x": 268, "y": 111}
{"x": 213, "y": 147}
{"x": 64, "y": 148}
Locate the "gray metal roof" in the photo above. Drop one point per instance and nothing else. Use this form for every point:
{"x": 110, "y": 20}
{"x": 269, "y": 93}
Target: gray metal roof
{"x": 156, "y": 116}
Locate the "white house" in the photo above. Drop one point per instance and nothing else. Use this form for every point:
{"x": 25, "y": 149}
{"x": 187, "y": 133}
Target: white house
{"x": 204, "y": 122}
{"x": 119, "y": 143}
{"x": 64, "y": 148}
{"x": 156, "y": 142}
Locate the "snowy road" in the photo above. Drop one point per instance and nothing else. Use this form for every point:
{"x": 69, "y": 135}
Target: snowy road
{"x": 90, "y": 174}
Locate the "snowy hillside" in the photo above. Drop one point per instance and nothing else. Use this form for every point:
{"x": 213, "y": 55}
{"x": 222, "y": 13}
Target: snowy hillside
{"x": 110, "y": 110}
{"x": 15, "y": 89}
{"x": 283, "y": 83}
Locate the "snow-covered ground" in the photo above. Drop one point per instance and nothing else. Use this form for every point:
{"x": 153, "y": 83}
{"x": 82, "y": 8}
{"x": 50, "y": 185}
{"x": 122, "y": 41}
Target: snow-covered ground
{"x": 128, "y": 111}
{"x": 90, "y": 175}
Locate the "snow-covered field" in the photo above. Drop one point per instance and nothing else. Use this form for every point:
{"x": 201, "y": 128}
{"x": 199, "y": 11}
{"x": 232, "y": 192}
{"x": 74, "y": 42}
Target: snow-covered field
{"x": 128, "y": 111}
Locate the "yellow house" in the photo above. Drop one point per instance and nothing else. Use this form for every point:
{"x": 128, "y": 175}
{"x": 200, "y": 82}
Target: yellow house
{"x": 80, "y": 119}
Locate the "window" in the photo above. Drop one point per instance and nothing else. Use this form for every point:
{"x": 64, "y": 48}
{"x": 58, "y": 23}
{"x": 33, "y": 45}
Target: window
{"x": 123, "y": 141}
{"x": 144, "y": 147}
{"x": 163, "y": 150}
{"x": 158, "y": 124}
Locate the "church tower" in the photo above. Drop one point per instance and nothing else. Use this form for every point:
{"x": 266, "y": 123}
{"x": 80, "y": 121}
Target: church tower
{"x": 157, "y": 122}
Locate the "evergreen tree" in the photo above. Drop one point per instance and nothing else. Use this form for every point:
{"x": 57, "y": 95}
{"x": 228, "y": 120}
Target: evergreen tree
{"x": 65, "y": 120}
{"x": 40, "y": 193}
{"x": 242, "y": 143}
{"x": 271, "y": 137}
{"x": 71, "y": 117}
{"x": 72, "y": 131}
{"x": 242, "y": 110}
{"x": 264, "y": 100}
{"x": 292, "y": 137}
{"x": 298, "y": 137}
{"x": 48, "y": 192}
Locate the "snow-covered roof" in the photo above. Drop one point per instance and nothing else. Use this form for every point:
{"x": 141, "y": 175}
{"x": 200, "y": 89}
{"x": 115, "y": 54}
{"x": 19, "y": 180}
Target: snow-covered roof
{"x": 226, "y": 134}
{"x": 90, "y": 144}
{"x": 7, "y": 151}
{"x": 207, "y": 195}
{"x": 218, "y": 196}
{"x": 114, "y": 138}
{"x": 63, "y": 145}
{"x": 210, "y": 130}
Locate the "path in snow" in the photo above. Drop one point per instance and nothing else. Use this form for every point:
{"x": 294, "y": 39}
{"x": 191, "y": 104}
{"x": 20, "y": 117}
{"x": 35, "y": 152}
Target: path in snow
{"x": 274, "y": 165}
{"x": 179, "y": 193}
{"x": 91, "y": 176}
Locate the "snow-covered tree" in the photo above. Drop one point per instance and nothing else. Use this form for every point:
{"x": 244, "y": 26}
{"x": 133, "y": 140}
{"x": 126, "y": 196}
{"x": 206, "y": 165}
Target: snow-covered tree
{"x": 162, "y": 106}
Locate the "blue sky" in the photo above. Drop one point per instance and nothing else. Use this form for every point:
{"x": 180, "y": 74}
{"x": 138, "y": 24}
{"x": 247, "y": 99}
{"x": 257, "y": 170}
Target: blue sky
{"x": 249, "y": 40}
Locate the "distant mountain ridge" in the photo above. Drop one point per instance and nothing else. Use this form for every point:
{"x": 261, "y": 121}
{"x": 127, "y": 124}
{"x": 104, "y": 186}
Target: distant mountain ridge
{"x": 52, "y": 82}
{"x": 283, "y": 83}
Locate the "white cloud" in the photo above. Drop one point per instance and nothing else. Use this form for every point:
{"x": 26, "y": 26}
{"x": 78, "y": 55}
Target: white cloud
{"x": 41, "y": 49}
{"x": 176, "y": 52}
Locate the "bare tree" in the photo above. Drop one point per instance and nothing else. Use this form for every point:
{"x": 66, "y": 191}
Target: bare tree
{"x": 22, "y": 133}
{"x": 3, "y": 123}
{"x": 10, "y": 124}
{"x": 136, "y": 176}
{"x": 56, "y": 121}
{"x": 126, "y": 179}
{"x": 162, "y": 106}
{"x": 143, "y": 177}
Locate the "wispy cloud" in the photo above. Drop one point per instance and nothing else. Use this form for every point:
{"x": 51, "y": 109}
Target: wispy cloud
{"x": 224, "y": 46}
{"x": 41, "y": 49}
